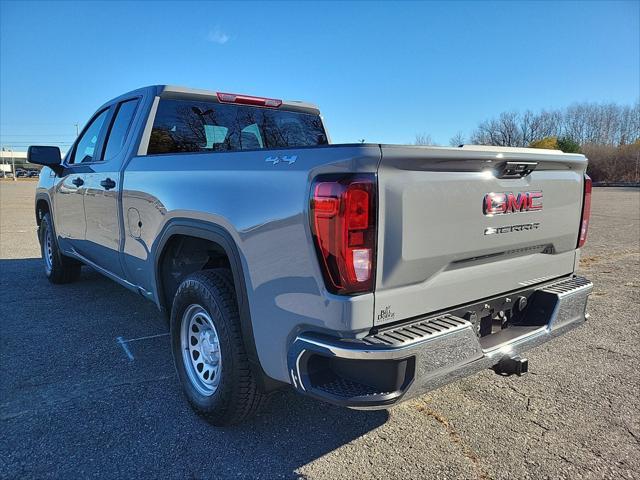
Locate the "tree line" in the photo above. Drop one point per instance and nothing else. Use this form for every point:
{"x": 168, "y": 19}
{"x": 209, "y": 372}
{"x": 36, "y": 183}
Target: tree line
{"x": 583, "y": 123}
{"x": 608, "y": 134}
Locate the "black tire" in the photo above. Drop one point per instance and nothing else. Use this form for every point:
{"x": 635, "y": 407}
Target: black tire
{"x": 57, "y": 267}
{"x": 238, "y": 395}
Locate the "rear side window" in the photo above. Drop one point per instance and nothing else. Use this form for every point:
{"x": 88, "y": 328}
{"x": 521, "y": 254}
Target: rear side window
{"x": 86, "y": 147}
{"x": 120, "y": 128}
{"x": 195, "y": 126}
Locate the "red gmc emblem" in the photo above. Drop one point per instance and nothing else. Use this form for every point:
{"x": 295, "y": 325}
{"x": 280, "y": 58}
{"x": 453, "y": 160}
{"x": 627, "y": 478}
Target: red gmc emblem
{"x": 501, "y": 203}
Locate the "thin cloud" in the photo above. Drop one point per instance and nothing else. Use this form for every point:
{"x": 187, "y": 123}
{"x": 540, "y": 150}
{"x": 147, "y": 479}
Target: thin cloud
{"x": 217, "y": 36}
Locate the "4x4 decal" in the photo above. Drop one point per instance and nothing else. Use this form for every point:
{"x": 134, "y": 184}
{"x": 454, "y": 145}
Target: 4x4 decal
{"x": 285, "y": 158}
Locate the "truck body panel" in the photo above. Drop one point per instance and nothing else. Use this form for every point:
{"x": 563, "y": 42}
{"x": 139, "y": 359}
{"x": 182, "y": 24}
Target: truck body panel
{"x": 266, "y": 217}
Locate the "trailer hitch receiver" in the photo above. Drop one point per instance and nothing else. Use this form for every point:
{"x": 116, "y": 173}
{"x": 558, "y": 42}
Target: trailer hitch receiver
{"x": 512, "y": 365}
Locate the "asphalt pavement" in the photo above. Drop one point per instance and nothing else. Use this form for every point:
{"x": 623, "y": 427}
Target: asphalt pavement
{"x": 75, "y": 404}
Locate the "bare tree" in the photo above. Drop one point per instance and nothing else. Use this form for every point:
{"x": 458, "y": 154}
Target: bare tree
{"x": 423, "y": 139}
{"x": 550, "y": 124}
{"x": 629, "y": 124}
{"x": 457, "y": 140}
{"x": 503, "y": 131}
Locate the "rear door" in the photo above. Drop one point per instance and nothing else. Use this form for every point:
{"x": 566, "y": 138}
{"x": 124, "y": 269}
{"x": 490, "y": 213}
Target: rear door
{"x": 441, "y": 245}
{"x": 101, "y": 201}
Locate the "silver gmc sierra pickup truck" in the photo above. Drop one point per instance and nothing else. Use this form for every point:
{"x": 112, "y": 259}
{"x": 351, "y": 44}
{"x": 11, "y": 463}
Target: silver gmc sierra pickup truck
{"x": 360, "y": 274}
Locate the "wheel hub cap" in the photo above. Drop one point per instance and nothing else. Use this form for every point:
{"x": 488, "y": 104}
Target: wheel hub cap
{"x": 209, "y": 347}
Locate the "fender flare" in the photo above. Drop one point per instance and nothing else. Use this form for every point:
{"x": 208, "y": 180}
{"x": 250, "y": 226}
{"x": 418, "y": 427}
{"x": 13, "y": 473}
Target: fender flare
{"x": 47, "y": 200}
{"x": 215, "y": 233}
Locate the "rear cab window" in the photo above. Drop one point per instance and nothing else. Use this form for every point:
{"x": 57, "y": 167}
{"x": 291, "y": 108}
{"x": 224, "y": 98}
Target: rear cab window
{"x": 183, "y": 125}
{"x": 119, "y": 128}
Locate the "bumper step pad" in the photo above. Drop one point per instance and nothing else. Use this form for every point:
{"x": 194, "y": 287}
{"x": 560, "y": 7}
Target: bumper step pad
{"x": 416, "y": 332}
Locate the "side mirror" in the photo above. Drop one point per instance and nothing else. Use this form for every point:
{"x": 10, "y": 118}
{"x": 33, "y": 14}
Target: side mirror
{"x": 47, "y": 156}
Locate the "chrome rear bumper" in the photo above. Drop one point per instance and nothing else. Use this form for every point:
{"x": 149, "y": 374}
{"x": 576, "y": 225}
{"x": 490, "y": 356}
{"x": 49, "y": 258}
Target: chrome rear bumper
{"x": 408, "y": 360}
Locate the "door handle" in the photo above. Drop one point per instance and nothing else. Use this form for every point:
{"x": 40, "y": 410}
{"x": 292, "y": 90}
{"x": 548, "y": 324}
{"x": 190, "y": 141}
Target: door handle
{"x": 78, "y": 182}
{"x": 108, "y": 184}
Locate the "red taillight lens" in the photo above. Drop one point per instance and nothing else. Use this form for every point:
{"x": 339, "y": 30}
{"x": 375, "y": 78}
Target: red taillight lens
{"x": 586, "y": 211}
{"x": 248, "y": 100}
{"x": 343, "y": 223}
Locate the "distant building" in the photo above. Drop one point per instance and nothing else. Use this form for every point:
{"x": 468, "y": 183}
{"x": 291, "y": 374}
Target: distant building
{"x": 8, "y": 159}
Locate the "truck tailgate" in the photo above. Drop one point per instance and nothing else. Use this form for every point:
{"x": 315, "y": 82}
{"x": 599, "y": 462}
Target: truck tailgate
{"x": 438, "y": 248}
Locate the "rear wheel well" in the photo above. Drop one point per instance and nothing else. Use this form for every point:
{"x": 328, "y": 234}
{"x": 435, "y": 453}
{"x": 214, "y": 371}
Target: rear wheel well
{"x": 42, "y": 207}
{"x": 190, "y": 247}
{"x": 183, "y": 255}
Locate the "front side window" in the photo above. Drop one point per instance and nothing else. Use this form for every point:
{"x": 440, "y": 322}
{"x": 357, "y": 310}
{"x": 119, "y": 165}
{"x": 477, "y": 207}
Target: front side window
{"x": 120, "y": 128}
{"x": 86, "y": 147}
{"x": 196, "y": 126}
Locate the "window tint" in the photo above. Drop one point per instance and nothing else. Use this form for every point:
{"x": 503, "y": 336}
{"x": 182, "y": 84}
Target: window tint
{"x": 119, "y": 128}
{"x": 193, "y": 126}
{"x": 86, "y": 146}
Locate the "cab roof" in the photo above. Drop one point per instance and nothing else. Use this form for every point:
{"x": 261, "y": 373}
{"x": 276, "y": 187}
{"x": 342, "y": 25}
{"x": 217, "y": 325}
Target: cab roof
{"x": 175, "y": 91}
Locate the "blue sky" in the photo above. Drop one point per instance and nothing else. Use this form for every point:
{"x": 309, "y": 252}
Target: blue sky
{"x": 378, "y": 71}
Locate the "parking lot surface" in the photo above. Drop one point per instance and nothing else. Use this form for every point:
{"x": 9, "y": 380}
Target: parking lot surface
{"x": 74, "y": 404}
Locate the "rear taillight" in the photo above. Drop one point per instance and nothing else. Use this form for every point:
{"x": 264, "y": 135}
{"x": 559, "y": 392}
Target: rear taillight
{"x": 586, "y": 211}
{"x": 343, "y": 223}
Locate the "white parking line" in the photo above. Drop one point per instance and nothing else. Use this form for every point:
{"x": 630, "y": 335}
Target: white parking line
{"x": 145, "y": 338}
{"x": 123, "y": 343}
